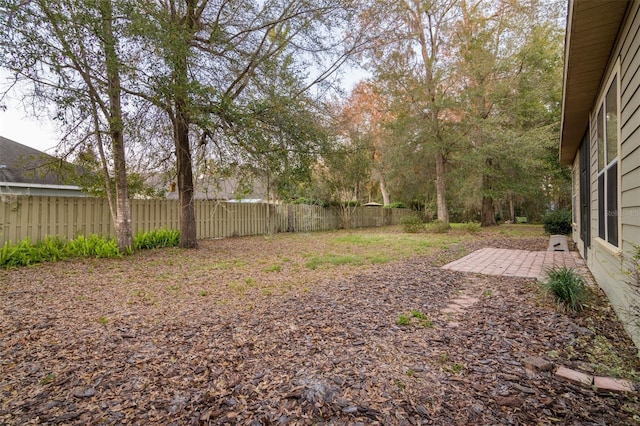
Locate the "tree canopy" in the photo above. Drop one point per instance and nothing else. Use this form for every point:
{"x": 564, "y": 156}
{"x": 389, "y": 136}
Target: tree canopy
{"x": 459, "y": 115}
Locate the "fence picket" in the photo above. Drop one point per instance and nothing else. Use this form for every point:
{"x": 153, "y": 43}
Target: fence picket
{"x": 36, "y": 217}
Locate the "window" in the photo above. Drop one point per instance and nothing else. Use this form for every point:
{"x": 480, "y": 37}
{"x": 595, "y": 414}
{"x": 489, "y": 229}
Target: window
{"x": 607, "y": 134}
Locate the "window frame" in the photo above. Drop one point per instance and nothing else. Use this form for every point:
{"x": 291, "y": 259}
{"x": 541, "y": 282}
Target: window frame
{"x": 602, "y": 171}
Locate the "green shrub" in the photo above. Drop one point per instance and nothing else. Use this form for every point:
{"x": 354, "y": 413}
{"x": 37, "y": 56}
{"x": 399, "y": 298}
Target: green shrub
{"x": 51, "y": 249}
{"x": 157, "y": 238}
{"x": 412, "y": 224}
{"x": 439, "y": 227}
{"x": 471, "y": 227}
{"x": 567, "y": 287}
{"x": 93, "y": 246}
{"x": 20, "y": 254}
{"x": 558, "y": 222}
{"x": 395, "y": 205}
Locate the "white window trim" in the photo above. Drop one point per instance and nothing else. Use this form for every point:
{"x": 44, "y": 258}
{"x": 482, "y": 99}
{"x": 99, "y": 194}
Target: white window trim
{"x": 615, "y": 71}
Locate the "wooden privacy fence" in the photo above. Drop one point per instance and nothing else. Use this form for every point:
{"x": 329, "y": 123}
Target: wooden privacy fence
{"x": 34, "y": 217}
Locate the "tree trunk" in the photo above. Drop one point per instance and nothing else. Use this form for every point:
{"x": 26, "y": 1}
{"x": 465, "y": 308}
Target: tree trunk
{"x": 386, "y": 198}
{"x": 185, "y": 178}
{"x": 181, "y": 123}
{"x": 124, "y": 235}
{"x": 441, "y": 199}
{"x": 488, "y": 212}
{"x": 383, "y": 188}
{"x": 488, "y": 208}
{"x": 512, "y": 209}
{"x": 290, "y": 219}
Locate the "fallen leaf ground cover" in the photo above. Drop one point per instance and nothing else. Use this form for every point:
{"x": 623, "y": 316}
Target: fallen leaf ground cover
{"x": 325, "y": 328}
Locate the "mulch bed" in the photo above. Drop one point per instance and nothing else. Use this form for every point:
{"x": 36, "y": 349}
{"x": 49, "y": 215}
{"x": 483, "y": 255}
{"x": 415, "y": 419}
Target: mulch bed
{"x": 330, "y": 352}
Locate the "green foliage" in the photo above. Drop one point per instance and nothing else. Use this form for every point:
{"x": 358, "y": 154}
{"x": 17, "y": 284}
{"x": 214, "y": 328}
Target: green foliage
{"x": 50, "y": 377}
{"x": 346, "y": 204}
{"x": 273, "y": 268}
{"x": 567, "y": 287}
{"x": 417, "y": 314}
{"x": 53, "y": 248}
{"x": 311, "y": 201}
{"x": 439, "y": 227}
{"x": 423, "y": 320}
{"x": 471, "y": 227}
{"x": 412, "y": 224}
{"x": 89, "y": 175}
{"x": 157, "y": 238}
{"x": 407, "y": 319}
{"x": 558, "y": 222}
{"x": 403, "y": 320}
{"x": 93, "y": 246}
{"x": 332, "y": 259}
{"x": 396, "y": 205}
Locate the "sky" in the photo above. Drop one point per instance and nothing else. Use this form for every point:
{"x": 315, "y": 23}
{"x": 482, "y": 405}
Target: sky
{"x": 17, "y": 125}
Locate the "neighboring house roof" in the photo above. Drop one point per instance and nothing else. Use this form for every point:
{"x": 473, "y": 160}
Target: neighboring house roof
{"x": 592, "y": 29}
{"x": 24, "y": 167}
{"x": 225, "y": 189}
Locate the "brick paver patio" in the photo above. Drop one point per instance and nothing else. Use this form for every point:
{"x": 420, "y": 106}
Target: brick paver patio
{"x": 517, "y": 263}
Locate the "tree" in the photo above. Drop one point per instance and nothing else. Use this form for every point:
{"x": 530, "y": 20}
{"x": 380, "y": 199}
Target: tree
{"x": 509, "y": 65}
{"x": 413, "y": 66}
{"x": 364, "y": 118}
{"x": 209, "y": 64}
{"x": 61, "y": 47}
{"x": 340, "y": 177}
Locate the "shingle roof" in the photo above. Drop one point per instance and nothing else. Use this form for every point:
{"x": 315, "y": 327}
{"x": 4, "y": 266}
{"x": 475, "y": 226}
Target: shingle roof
{"x": 22, "y": 164}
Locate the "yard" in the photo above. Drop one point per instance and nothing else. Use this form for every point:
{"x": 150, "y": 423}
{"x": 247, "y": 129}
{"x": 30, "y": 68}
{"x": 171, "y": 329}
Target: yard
{"x": 323, "y": 328}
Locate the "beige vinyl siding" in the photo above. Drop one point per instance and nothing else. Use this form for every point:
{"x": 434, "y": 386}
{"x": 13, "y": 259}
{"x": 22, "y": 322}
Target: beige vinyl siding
{"x": 607, "y": 263}
{"x": 629, "y": 46}
{"x": 630, "y": 131}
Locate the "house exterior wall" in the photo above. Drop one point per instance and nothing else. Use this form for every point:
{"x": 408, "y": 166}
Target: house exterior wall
{"x": 607, "y": 262}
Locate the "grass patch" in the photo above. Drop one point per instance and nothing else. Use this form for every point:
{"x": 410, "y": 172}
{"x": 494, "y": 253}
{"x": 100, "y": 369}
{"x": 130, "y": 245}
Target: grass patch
{"x": 361, "y": 239}
{"x": 415, "y": 316}
{"x": 438, "y": 227}
{"x": 468, "y": 227}
{"x": 403, "y": 320}
{"x": 228, "y": 264}
{"x": 333, "y": 259}
{"x": 273, "y": 268}
{"x": 378, "y": 259}
{"x": 48, "y": 379}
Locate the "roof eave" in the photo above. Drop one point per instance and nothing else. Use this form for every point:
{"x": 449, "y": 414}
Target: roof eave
{"x": 592, "y": 29}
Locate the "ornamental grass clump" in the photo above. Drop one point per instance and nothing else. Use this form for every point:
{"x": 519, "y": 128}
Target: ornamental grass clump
{"x": 567, "y": 287}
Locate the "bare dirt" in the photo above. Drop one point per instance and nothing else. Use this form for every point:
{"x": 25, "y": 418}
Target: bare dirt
{"x": 227, "y": 335}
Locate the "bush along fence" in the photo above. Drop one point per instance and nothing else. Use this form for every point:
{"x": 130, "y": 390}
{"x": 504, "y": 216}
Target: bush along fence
{"x": 33, "y": 218}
